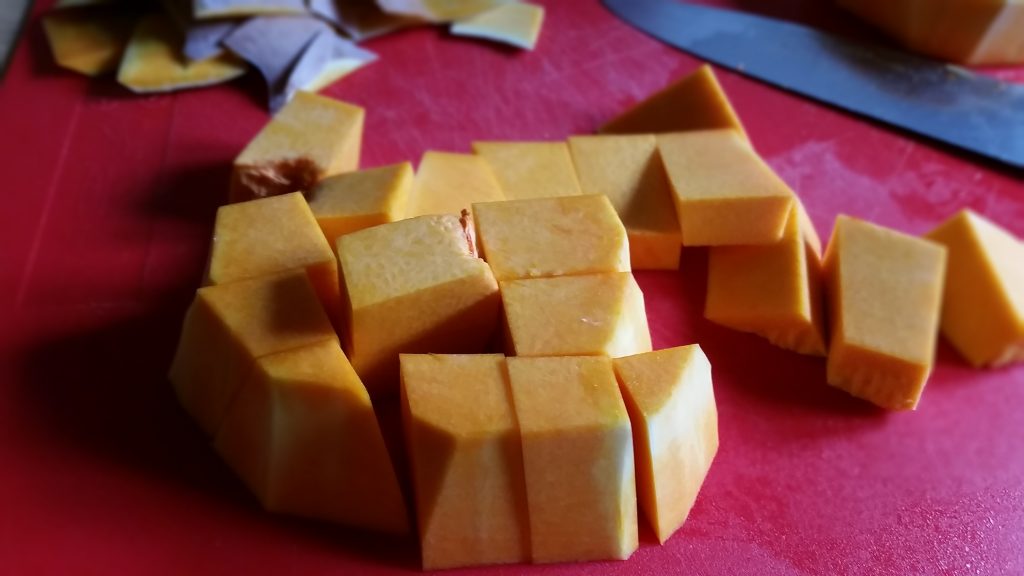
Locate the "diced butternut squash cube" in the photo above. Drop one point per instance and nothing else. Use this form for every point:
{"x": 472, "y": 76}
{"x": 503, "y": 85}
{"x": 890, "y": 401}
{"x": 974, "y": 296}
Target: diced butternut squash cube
{"x": 302, "y": 434}
{"x": 438, "y": 10}
{"x": 628, "y": 170}
{"x": 577, "y": 458}
{"x": 773, "y": 290}
{"x": 229, "y": 326}
{"x": 514, "y": 23}
{"x": 351, "y": 201}
{"x": 725, "y": 194}
{"x": 594, "y": 315}
{"x": 694, "y": 102}
{"x": 671, "y": 404}
{"x": 448, "y": 183}
{"x": 983, "y": 303}
{"x": 311, "y": 138}
{"x": 885, "y": 294}
{"x": 89, "y": 41}
{"x": 546, "y": 237}
{"x": 467, "y": 460}
{"x": 152, "y": 62}
{"x": 975, "y": 33}
{"x": 270, "y": 236}
{"x": 413, "y": 286}
{"x": 531, "y": 169}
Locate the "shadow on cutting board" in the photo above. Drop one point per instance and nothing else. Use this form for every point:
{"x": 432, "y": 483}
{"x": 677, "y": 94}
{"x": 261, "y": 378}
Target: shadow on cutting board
{"x": 94, "y": 383}
{"x": 750, "y": 367}
{"x": 105, "y": 394}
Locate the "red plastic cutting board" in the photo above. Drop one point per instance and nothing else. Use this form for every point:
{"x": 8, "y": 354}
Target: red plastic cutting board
{"x": 107, "y": 204}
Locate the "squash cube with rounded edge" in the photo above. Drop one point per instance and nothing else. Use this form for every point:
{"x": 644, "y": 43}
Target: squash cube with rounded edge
{"x": 413, "y": 286}
{"x": 773, "y": 290}
{"x": 628, "y": 170}
{"x": 594, "y": 315}
{"x": 885, "y": 295}
{"x": 310, "y": 138}
{"x": 302, "y": 434}
{"x": 348, "y": 202}
{"x": 983, "y": 302}
{"x": 270, "y": 236}
{"x": 725, "y": 194}
{"x": 229, "y": 326}
{"x": 694, "y": 102}
{"x": 467, "y": 460}
{"x": 671, "y": 404}
{"x": 545, "y": 237}
{"x": 448, "y": 183}
{"x": 577, "y": 458}
{"x": 531, "y": 169}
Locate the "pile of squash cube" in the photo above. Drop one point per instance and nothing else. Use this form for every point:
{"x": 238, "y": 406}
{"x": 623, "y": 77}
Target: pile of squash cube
{"x": 490, "y": 296}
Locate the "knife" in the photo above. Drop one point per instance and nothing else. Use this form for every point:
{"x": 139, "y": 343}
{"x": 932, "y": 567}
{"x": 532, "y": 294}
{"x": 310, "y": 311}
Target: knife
{"x": 940, "y": 101}
{"x": 12, "y": 16}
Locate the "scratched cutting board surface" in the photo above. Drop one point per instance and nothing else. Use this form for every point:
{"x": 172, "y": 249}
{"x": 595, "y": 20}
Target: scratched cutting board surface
{"x": 108, "y": 201}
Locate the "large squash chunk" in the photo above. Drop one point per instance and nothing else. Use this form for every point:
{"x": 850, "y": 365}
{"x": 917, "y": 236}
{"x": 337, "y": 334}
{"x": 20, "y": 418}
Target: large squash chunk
{"x": 885, "y": 294}
{"x": 975, "y": 33}
{"x": 229, "y": 326}
{"x": 773, "y": 290}
{"x": 546, "y": 237}
{"x": 531, "y": 169}
{"x": 671, "y": 404}
{"x": 349, "y": 202}
{"x": 577, "y": 458}
{"x": 270, "y": 236}
{"x": 302, "y": 434}
{"x": 983, "y": 304}
{"x": 413, "y": 286}
{"x": 467, "y": 460}
{"x": 448, "y": 183}
{"x": 594, "y": 315}
{"x": 694, "y": 102}
{"x": 311, "y": 138}
{"x": 628, "y": 170}
{"x": 725, "y": 194}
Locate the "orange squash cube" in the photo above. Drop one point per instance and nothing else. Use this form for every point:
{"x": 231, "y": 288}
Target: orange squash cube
{"x": 302, "y": 434}
{"x": 628, "y": 170}
{"x": 983, "y": 302}
{"x": 671, "y": 404}
{"x": 270, "y": 236}
{"x": 349, "y": 202}
{"x": 594, "y": 315}
{"x": 448, "y": 183}
{"x": 229, "y": 326}
{"x": 514, "y": 23}
{"x": 413, "y": 286}
{"x": 531, "y": 169}
{"x": 577, "y": 458}
{"x": 725, "y": 194}
{"x": 152, "y": 61}
{"x": 90, "y": 41}
{"x": 773, "y": 290}
{"x": 975, "y": 33}
{"x": 545, "y": 237}
{"x": 466, "y": 458}
{"x": 885, "y": 295}
{"x": 310, "y": 138}
{"x": 694, "y": 102}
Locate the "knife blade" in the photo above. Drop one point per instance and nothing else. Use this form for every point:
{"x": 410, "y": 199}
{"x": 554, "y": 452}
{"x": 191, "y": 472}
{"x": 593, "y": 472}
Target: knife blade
{"x": 946, "y": 103}
{"x": 12, "y": 17}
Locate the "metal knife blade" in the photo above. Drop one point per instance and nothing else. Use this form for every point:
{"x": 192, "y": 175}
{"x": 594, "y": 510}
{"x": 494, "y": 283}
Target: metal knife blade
{"x": 947, "y": 103}
{"x": 12, "y": 17}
